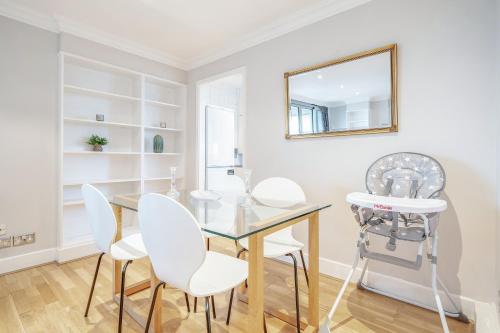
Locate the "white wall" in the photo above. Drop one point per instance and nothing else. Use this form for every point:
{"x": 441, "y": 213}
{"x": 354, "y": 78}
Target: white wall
{"x": 446, "y": 89}
{"x": 28, "y": 133}
{"x": 29, "y": 119}
{"x": 498, "y": 158}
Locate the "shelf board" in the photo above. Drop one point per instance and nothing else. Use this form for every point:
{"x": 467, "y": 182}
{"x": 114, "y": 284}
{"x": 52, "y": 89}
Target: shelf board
{"x": 88, "y": 152}
{"x": 81, "y": 61}
{"x": 164, "y": 104}
{"x": 107, "y": 181}
{"x": 162, "y": 129}
{"x": 73, "y": 203}
{"x": 159, "y": 178}
{"x": 99, "y": 93}
{"x": 100, "y": 123}
{"x": 162, "y": 154}
{"x": 159, "y": 80}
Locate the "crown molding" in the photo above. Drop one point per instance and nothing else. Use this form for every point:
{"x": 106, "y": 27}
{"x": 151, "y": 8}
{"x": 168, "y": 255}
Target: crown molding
{"x": 57, "y": 24}
{"x": 122, "y": 44}
{"x": 305, "y": 17}
{"x": 23, "y": 14}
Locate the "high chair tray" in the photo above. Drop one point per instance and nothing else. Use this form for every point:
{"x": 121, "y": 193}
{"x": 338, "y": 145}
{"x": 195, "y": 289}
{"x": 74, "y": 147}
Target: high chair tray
{"x": 394, "y": 204}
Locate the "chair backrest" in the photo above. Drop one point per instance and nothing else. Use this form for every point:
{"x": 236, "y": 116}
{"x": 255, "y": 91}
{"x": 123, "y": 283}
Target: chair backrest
{"x": 278, "y": 192}
{"x": 409, "y": 175}
{"x": 172, "y": 238}
{"x": 101, "y": 217}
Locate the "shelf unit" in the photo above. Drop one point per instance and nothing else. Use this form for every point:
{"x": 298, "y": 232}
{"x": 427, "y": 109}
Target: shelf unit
{"x": 133, "y": 104}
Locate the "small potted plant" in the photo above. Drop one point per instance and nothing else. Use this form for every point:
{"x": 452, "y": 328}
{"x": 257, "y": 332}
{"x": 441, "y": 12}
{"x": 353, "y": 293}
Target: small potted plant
{"x": 97, "y": 142}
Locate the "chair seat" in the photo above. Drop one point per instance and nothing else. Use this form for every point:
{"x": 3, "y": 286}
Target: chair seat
{"x": 217, "y": 274}
{"x": 276, "y": 246}
{"x": 129, "y": 248}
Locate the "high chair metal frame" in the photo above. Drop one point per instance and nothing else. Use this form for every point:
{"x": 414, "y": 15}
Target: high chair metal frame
{"x": 402, "y": 205}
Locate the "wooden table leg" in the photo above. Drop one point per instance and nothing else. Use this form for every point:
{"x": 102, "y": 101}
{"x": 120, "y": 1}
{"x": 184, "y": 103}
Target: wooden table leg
{"x": 314, "y": 270}
{"x": 256, "y": 284}
{"x": 156, "y": 320}
{"x": 117, "y": 265}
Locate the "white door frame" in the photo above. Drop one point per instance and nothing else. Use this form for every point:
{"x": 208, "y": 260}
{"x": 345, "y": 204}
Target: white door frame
{"x": 200, "y": 119}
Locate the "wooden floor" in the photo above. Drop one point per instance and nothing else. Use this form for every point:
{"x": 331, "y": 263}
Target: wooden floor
{"x": 52, "y": 298}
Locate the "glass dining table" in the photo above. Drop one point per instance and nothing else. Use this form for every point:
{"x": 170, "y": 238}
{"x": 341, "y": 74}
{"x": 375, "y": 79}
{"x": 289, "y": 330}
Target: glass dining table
{"x": 229, "y": 215}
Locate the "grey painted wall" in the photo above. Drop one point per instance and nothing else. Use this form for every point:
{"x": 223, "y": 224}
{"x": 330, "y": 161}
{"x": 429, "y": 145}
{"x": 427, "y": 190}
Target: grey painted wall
{"x": 28, "y": 133}
{"x": 446, "y": 108}
{"x": 29, "y": 117}
{"x": 498, "y": 156}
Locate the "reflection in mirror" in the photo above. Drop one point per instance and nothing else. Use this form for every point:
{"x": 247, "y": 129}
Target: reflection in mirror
{"x": 351, "y": 96}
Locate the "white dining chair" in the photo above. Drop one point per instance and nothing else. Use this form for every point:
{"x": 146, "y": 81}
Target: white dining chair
{"x": 232, "y": 185}
{"x": 103, "y": 225}
{"x": 281, "y": 193}
{"x": 176, "y": 248}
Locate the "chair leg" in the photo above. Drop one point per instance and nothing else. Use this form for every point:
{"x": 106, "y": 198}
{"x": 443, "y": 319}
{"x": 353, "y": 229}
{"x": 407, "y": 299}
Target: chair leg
{"x": 240, "y": 252}
{"x": 341, "y": 293}
{"x": 265, "y": 326}
{"x": 238, "y": 256}
{"x": 207, "y": 314}
{"x": 297, "y": 304}
{"x": 208, "y": 244}
{"x": 187, "y": 302}
{"x": 363, "y": 272}
{"x": 122, "y": 294}
{"x": 213, "y": 307}
{"x": 195, "y": 304}
{"x": 93, "y": 284}
{"x": 230, "y": 306}
{"x": 152, "y": 307}
{"x": 304, "y": 266}
{"x": 434, "y": 284}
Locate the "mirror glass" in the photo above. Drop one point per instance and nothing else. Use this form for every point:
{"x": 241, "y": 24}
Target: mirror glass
{"x": 353, "y": 96}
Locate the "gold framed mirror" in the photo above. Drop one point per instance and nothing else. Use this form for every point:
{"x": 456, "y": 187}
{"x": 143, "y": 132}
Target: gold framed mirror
{"x": 351, "y": 95}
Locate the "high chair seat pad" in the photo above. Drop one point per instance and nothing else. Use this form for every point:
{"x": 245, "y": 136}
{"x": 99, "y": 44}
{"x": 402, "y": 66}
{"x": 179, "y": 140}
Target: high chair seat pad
{"x": 395, "y": 204}
{"x": 217, "y": 274}
{"x": 129, "y": 248}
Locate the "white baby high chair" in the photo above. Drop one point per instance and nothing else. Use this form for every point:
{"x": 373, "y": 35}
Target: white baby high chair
{"x": 401, "y": 204}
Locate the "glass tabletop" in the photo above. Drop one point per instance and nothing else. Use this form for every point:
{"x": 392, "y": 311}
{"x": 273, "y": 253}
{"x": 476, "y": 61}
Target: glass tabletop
{"x": 226, "y": 215}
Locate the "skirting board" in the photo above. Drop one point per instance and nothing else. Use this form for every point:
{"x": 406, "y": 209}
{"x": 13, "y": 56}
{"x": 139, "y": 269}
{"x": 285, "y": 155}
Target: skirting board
{"x": 408, "y": 290}
{"x": 37, "y": 258}
{"x": 27, "y": 260}
{"x": 76, "y": 251}
{"x": 487, "y": 318}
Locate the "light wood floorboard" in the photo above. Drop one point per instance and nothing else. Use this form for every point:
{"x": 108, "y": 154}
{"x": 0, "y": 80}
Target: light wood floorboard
{"x": 52, "y": 298}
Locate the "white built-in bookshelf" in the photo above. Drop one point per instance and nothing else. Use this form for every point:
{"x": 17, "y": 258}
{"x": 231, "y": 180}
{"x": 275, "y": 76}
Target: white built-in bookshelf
{"x": 134, "y": 105}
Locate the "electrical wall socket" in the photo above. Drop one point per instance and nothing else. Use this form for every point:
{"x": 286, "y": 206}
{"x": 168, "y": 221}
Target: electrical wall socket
{"x": 24, "y": 239}
{"x": 5, "y": 242}
{"x": 3, "y": 229}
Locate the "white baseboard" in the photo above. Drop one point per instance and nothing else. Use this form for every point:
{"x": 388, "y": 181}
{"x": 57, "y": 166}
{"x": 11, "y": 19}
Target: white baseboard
{"x": 487, "y": 318}
{"x": 27, "y": 260}
{"x": 404, "y": 289}
{"x": 37, "y": 258}
{"x": 76, "y": 251}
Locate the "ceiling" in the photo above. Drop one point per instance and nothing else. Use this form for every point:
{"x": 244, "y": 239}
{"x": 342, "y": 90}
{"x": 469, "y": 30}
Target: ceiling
{"x": 183, "y": 33}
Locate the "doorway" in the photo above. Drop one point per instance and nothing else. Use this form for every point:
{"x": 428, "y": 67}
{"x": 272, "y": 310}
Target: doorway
{"x": 221, "y": 124}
